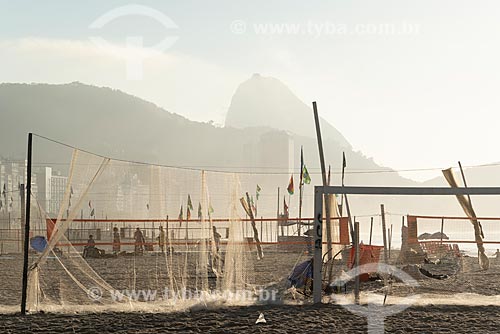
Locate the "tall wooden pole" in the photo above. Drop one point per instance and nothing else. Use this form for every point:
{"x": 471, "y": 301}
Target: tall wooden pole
{"x": 346, "y": 201}
{"x": 27, "y": 226}
{"x": 384, "y": 235}
{"x": 318, "y": 245}
{"x": 301, "y": 186}
{"x": 325, "y": 182}
{"x": 23, "y": 210}
{"x": 371, "y": 230}
{"x": 278, "y": 217}
{"x": 356, "y": 262}
{"x": 389, "y": 233}
{"x": 248, "y": 208}
{"x": 468, "y": 197}
{"x": 343, "y": 173}
{"x": 442, "y": 229}
{"x": 465, "y": 182}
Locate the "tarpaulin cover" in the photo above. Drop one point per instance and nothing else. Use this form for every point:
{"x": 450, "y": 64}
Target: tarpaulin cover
{"x": 38, "y": 243}
{"x": 300, "y": 274}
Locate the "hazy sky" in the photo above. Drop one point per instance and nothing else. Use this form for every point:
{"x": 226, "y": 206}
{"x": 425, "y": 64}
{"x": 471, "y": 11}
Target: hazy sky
{"x": 411, "y": 83}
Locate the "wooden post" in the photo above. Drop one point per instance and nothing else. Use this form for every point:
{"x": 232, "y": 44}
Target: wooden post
{"x": 27, "y": 226}
{"x": 356, "y": 262}
{"x": 465, "y": 182}
{"x": 267, "y": 233}
{"x": 348, "y": 209}
{"x": 389, "y": 233}
{"x": 382, "y": 212}
{"x": 371, "y": 230}
{"x": 301, "y": 186}
{"x": 278, "y": 218}
{"x": 442, "y": 229}
{"x": 343, "y": 174}
{"x": 23, "y": 210}
{"x": 318, "y": 244}
{"x": 261, "y": 234}
{"x": 248, "y": 208}
{"x": 325, "y": 182}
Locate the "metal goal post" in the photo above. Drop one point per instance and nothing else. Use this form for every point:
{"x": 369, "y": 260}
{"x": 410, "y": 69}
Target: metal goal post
{"x": 320, "y": 191}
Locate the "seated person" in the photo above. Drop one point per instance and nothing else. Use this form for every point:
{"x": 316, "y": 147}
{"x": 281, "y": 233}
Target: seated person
{"x": 90, "y": 247}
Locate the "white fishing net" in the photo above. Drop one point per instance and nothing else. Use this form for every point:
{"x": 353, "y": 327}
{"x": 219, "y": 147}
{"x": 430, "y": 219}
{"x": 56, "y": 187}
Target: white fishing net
{"x": 137, "y": 236}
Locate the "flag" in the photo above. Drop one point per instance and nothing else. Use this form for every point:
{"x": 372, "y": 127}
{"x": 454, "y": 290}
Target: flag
{"x": 92, "y": 213}
{"x": 285, "y": 207}
{"x": 290, "y": 186}
{"x": 199, "y": 211}
{"x": 4, "y": 189}
{"x": 252, "y": 204}
{"x": 257, "y": 192}
{"x": 190, "y": 204}
{"x": 210, "y": 210}
{"x": 147, "y": 206}
{"x": 188, "y": 213}
{"x": 305, "y": 175}
{"x": 90, "y": 204}
{"x": 344, "y": 163}
{"x": 181, "y": 215}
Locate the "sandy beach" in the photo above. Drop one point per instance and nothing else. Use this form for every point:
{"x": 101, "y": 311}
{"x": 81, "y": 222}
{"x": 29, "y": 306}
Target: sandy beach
{"x": 463, "y": 303}
{"x": 280, "y": 319}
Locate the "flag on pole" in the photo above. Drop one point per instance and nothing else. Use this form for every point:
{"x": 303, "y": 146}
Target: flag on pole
{"x": 188, "y": 214}
{"x": 199, "y": 211}
{"x": 305, "y": 178}
{"x": 285, "y": 207}
{"x": 147, "y": 206}
{"x": 210, "y": 210}
{"x": 90, "y": 204}
{"x": 190, "y": 204}
{"x": 257, "y": 192}
{"x": 181, "y": 214}
{"x": 344, "y": 163}
{"x": 92, "y": 212}
{"x": 305, "y": 175}
{"x": 301, "y": 181}
{"x": 290, "y": 186}
{"x": 252, "y": 204}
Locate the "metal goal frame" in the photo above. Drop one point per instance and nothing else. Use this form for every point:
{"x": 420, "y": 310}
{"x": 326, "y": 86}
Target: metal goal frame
{"x": 321, "y": 191}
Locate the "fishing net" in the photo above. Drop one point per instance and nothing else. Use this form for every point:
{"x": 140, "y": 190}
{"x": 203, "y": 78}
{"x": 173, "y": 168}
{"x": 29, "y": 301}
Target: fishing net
{"x": 121, "y": 235}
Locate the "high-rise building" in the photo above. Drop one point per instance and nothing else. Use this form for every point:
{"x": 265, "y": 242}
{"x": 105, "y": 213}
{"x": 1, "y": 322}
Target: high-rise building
{"x": 58, "y": 185}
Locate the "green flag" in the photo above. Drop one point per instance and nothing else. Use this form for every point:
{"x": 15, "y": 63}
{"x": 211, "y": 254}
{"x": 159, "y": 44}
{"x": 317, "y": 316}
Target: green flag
{"x": 257, "y": 192}
{"x": 305, "y": 175}
{"x": 181, "y": 214}
{"x": 199, "y": 211}
{"x": 190, "y": 204}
